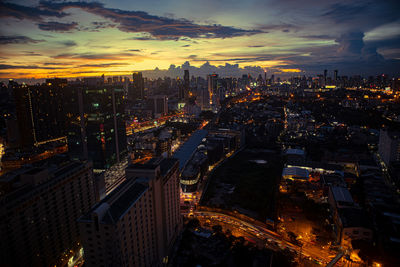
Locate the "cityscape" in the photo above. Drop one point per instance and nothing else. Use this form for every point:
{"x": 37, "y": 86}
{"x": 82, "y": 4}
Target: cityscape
{"x": 199, "y": 133}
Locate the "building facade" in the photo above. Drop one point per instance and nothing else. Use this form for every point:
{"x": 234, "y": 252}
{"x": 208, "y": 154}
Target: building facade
{"x": 39, "y": 208}
{"x": 136, "y": 224}
{"x": 389, "y": 146}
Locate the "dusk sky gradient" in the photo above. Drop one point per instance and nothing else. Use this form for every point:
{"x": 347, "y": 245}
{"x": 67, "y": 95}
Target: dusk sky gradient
{"x": 40, "y": 39}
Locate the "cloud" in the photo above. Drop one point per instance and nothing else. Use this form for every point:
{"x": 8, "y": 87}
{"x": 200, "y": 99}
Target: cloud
{"x": 96, "y": 26}
{"x": 104, "y": 65}
{"x": 227, "y": 70}
{"x": 27, "y": 12}
{"x": 18, "y": 40}
{"x": 350, "y": 43}
{"x": 57, "y": 26}
{"x": 55, "y": 64}
{"x": 318, "y": 37}
{"x": 94, "y": 56}
{"x": 143, "y": 37}
{"x": 162, "y": 28}
{"x": 285, "y": 27}
{"x": 7, "y": 67}
{"x": 31, "y": 53}
{"x": 345, "y": 12}
{"x": 69, "y": 43}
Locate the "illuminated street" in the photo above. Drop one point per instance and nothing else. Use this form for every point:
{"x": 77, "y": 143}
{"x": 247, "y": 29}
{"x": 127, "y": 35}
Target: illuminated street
{"x": 261, "y": 236}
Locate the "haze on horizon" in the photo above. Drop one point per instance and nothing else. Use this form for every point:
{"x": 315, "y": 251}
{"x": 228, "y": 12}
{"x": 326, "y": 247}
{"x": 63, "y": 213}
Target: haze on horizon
{"x": 40, "y": 39}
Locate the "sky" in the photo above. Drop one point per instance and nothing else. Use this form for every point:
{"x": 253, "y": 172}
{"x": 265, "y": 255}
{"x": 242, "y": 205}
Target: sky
{"x": 43, "y": 39}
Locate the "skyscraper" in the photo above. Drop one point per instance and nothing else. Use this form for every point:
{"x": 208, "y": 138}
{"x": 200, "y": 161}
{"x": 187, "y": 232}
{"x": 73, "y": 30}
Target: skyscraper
{"x": 136, "y": 89}
{"x": 186, "y": 84}
{"x": 103, "y": 110}
{"x": 39, "y": 113}
{"x": 325, "y": 76}
{"x": 96, "y": 125}
{"x": 158, "y": 104}
{"x": 335, "y": 76}
{"x": 212, "y": 81}
{"x": 138, "y": 222}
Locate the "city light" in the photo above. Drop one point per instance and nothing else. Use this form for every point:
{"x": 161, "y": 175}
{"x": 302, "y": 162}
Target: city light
{"x": 184, "y": 133}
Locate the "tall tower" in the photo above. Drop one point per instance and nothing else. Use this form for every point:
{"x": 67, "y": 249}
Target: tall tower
{"x": 137, "y": 89}
{"x": 335, "y": 76}
{"x": 265, "y": 77}
{"x": 186, "y": 84}
{"x": 325, "y": 74}
{"x": 212, "y": 80}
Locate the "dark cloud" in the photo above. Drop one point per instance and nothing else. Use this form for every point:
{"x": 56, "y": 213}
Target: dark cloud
{"x": 256, "y": 46}
{"x": 8, "y": 67}
{"x": 278, "y": 27}
{"x": 134, "y": 50}
{"x": 104, "y": 65}
{"x": 18, "y": 40}
{"x": 144, "y": 37}
{"x": 159, "y": 27}
{"x": 318, "y": 37}
{"x": 69, "y": 43}
{"x": 345, "y": 12}
{"x": 27, "y": 12}
{"x": 350, "y": 43}
{"x": 96, "y": 26}
{"x": 186, "y": 45}
{"x": 54, "y": 64}
{"x": 31, "y": 53}
{"x": 94, "y": 56}
{"x": 57, "y": 26}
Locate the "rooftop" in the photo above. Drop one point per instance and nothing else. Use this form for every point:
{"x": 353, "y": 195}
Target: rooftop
{"x": 185, "y": 152}
{"x": 119, "y": 201}
{"x": 126, "y": 200}
{"x": 292, "y": 151}
{"x": 341, "y": 194}
{"x": 295, "y": 171}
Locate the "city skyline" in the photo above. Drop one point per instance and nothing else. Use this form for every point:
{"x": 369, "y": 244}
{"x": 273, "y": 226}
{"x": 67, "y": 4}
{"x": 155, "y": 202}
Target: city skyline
{"x": 71, "y": 39}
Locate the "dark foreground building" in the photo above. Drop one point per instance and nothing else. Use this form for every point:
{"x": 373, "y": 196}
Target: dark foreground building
{"x": 39, "y": 206}
{"x": 137, "y": 224}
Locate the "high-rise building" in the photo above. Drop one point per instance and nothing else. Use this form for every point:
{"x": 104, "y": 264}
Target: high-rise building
{"x": 136, "y": 89}
{"x": 389, "y": 146}
{"x": 186, "y": 84}
{"x": 39, "y": 113}
{"x": 335, "y": 76}
{"x": 265, "y": 77}
{"x": 138, "y": 222}
{"x": 203, "y": 98}
{"x": 395, "y": 86}
{"x": 103, "y": 110}
{"x": 96, "y": 125}
{"x": 212, "y": 81}
{"x": 39, "y": 208}
{"x": 158, "y": 105}
{"x": 325, "y": 76}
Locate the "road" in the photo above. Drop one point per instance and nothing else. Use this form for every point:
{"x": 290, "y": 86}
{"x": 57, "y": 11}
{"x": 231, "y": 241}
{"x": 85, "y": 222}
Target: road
{"x": 262, "y": 236}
